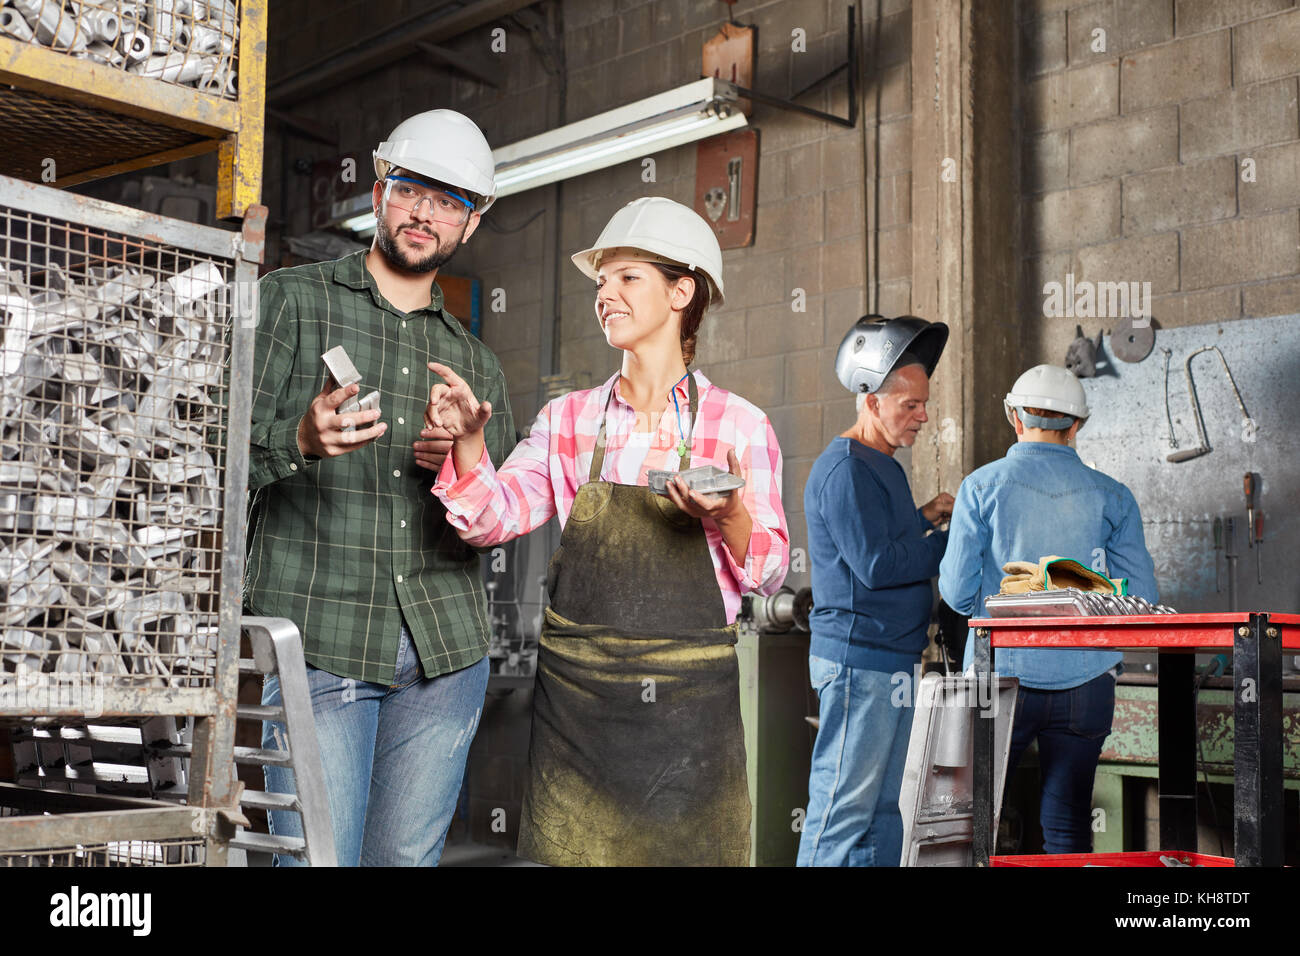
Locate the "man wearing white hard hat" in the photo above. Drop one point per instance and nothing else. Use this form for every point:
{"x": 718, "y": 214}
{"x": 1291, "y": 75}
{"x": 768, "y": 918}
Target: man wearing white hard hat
{"x": 637, "y": 754}
{"x": 1041, "y": 500}
{"x": 344, "y": 538}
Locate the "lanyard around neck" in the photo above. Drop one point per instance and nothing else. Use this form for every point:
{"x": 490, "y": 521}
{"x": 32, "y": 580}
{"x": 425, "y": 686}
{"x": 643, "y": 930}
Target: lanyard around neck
{"x": 683, "y": 447}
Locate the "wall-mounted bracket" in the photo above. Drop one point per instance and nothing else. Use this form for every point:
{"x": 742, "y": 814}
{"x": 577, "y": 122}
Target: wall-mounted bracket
{"x": 850, "y": 64}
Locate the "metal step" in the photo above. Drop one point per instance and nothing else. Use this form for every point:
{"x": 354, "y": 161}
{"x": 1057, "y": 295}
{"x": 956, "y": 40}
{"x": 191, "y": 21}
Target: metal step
{"x": 265, "y": 843}
{"x": 261, "y": 800}
{"x": 247, "y": 755}
{"x": 272, "y": 713}
{"x": 248, "y": 666}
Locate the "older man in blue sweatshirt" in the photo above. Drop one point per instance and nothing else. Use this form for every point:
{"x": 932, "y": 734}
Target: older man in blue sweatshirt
{"x": 873, "y": 554}
{"x": 1041, "y": 500}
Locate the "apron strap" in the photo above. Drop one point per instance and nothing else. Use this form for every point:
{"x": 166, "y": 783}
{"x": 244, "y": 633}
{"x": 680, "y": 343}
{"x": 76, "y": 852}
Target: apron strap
{"x": 695, "y": 407}
{"x": 598, "y": 456}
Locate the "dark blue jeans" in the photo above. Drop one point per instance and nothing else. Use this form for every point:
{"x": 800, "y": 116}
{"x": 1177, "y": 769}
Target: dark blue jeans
{"x": 1070, "y": 726}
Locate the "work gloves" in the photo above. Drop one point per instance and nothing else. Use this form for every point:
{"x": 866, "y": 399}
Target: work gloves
{"x": 1053, "y": 572}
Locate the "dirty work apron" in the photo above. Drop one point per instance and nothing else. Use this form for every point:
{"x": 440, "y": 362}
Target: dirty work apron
{"x": 637, "y": 755}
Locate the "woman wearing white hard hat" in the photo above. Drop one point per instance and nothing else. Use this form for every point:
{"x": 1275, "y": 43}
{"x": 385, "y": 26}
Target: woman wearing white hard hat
{"x": 637, "y": 754}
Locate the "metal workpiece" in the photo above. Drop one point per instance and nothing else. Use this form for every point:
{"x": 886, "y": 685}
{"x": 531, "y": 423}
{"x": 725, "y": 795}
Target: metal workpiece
{"x": 343, "y": 373}
{"x": 176, "y": 41}
{"x": 706, "y": 479}
{"x": 1070, "y": 602}
{"x": 167, "y": 78}
{"x": 113, "y": 447}
{"x": 123, "y": 475}
{"x": 340, "y": 367}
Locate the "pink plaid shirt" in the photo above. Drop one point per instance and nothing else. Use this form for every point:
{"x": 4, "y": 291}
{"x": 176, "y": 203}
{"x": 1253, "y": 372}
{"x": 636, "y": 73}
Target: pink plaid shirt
{"x": 542, "y": 475}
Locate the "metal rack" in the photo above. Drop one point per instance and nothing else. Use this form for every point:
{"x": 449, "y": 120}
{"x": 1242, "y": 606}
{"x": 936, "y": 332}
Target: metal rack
{"x": 124, "y": 416}
{"x": 102, "y": 87}
{"x": 1257, "y": 641}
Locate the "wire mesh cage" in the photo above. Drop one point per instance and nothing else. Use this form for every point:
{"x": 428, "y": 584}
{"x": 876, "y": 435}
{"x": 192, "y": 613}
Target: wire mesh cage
{"x": 92, "y": 88}
{"x": 185, "y": 42}
{"x": 112, "y": 455}
{"x": 76, "y": 830}
{"x": 184, "y": 851}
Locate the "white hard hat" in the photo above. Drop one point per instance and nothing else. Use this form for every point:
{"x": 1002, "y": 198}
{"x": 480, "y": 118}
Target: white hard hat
{"x": 668, "y": 231}
{"x": 442, "y": 145}
{"x": 1050, "y": 387}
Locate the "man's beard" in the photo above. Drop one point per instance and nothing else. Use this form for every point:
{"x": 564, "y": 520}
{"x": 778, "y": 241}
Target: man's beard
{"x": 435, "y": 259}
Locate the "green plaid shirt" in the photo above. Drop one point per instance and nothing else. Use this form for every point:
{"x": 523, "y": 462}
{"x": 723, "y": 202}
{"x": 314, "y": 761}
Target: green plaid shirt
{"x": 346, "y": 547}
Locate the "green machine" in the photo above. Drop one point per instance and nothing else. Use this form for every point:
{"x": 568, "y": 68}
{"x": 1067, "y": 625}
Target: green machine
{"x": 775, "y": 701}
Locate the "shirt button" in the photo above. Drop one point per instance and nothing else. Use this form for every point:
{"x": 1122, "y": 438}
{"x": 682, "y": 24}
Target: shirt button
{"x": 396, "y": 473}
{"x": 399, "y": 579}
{"x": 401, "y": 421}
{"x": 293, "y": 466}
{"x": 403, "y": 324}
{"x": 405, "y": 370}
{"x": 403, "y": 522}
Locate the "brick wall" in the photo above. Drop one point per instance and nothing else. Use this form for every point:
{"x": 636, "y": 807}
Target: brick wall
{"x": 815, "y": 197}
{"x": 817, "y": 188}
{"x": 1164, "y": 150}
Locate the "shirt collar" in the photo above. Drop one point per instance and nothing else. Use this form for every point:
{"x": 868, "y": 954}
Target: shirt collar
{"x": 1041, "y": 448}
{"x": 682, "y": 388}
{"x": 351, "y": 271}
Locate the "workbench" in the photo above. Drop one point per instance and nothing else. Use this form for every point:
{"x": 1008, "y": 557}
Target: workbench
{"x": 1257, "y": 641}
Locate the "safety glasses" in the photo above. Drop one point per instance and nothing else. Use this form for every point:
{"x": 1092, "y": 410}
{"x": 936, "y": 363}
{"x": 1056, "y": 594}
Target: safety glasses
{"x": 410, "y": 194}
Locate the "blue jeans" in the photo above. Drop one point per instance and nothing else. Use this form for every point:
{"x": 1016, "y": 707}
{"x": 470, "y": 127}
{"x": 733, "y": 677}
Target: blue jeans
{"x": 1071, "y": 726}
{"x": 393, "y": 754}
{"x": 857, "y": 769}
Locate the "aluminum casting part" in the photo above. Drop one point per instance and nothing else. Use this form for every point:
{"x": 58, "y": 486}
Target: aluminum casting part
{"x": 52, "y": 25}
{"x": 370, "y": 401}
{"x": 14, "y": 25}
{"x": 340, "y": 367}
{"x": 707, "y": 479}
{"x": 135, "y": 45}
{"x": 179, "y": 67}
{"x": 104, "y": 423}
{"x": 98, "y": 24}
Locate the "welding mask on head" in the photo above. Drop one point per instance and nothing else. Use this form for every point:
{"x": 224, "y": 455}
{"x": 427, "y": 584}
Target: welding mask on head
{"x": 871, "y": 349}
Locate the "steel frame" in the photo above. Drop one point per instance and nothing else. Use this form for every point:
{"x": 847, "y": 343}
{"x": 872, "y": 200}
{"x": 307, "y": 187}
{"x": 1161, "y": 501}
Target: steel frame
{"x": 233, "y": 127}
{"x": 1257, "y": 640}
{"x": 213, "y": 788}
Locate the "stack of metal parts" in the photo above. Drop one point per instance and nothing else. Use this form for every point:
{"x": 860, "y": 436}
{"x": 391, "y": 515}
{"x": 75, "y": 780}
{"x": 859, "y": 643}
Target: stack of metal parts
{"x": 137, "y": 761}
{"x": 111, "y": 471}
{"x": 1070, "y": 602}
{"x": 188, "y": 42}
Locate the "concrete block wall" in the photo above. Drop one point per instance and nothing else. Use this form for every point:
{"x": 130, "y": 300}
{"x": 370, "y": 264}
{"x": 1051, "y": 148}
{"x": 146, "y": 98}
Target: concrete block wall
{"x": 1161, "y": 144}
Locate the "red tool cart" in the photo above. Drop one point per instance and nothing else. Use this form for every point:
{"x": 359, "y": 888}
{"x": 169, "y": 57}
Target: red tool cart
{"x": 1257, "y": 641}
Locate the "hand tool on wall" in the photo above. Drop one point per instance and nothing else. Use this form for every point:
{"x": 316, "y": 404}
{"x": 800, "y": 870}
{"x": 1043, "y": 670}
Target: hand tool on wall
{"x": 1169, "y": 418}
{"x": 1218, "y": 549}
{"x": 1203, "y": 446}
{"x": 1248, "y": 486}
{"x": 1259, "y": 540}
{"x": 1230, "y": 556}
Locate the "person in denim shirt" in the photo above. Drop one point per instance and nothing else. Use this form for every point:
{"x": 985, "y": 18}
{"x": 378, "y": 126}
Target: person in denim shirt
{"x": 873, "y": 555}
{"x": 1039, "y": 500}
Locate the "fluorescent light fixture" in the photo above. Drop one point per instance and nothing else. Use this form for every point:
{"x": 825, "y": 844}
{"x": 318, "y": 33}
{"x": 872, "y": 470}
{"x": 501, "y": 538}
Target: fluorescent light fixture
{"x": 688, "y": 113}
{"x": 692, "y": 112}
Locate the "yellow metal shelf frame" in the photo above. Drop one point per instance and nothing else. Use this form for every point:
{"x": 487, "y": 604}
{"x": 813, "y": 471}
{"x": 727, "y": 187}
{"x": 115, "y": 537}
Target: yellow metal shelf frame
{"x": 69, "y": 120}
